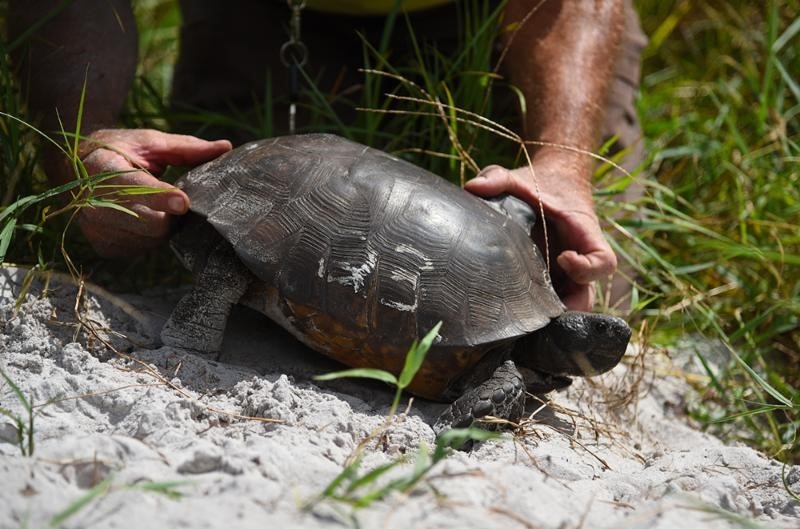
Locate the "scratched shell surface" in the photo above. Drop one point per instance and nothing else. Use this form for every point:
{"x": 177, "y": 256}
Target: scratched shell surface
{"x": 384, "y": 247}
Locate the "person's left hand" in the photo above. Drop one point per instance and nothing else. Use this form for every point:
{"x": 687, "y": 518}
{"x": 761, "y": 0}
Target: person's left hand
{"x": 582, "y": 253}
{"x": 139, "y": 156}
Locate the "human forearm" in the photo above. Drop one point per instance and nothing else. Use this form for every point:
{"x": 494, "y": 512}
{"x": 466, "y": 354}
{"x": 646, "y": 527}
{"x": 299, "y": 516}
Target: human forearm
{"x": 561, "y": 58}
{"x": 90, "y": 40}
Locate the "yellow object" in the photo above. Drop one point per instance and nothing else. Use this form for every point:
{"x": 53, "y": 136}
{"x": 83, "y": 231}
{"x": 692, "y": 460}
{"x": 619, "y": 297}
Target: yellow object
{"x": 371, "y": 7}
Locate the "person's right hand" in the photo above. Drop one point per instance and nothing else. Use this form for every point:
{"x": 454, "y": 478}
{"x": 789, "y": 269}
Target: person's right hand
{"x": 144, "y": 154}
{"x": 582, "y": 253}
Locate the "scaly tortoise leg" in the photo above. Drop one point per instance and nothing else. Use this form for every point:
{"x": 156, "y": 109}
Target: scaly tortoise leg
{"x": 502, "y": 395}
{"x": 198, "y": 321}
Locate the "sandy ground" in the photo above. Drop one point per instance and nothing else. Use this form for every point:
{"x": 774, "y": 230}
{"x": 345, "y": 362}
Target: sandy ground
{"x": 114, "y": 431}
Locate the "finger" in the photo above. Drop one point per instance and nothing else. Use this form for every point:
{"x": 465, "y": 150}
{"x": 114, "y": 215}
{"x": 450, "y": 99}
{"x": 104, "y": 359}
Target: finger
{"x": 491, "y": 181}
{"x": 494, "y": 180}
{"x": 580, "y": 298}
{"x": 178, "y": 149}
{"x": 164, "y": 198}
{"x": 585, "y": 268}
{"x": 100, "y": 222}
{"x": 170, "y": 200}
{"x": 154, "y": 150}
{"x": 147, "y": 222}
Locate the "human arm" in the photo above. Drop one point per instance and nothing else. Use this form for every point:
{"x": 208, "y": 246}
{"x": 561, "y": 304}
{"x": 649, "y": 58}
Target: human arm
{"x": 561, "y": 58}
{"x": 96, "y": 42}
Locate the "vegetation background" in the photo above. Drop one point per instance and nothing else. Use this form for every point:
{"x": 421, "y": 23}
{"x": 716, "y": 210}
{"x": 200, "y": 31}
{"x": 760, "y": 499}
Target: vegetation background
{"x": 714, "y": 242}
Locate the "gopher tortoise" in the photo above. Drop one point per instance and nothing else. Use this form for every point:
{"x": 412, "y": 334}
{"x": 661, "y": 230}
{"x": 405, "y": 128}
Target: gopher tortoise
{"x": 357, "y": 253}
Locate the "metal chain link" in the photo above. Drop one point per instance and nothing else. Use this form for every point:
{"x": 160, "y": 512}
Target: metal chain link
{"x": 294, "y": 56}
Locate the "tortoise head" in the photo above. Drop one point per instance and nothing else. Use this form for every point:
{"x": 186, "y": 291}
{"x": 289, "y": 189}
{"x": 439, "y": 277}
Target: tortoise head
{"x": 575, "y": 343}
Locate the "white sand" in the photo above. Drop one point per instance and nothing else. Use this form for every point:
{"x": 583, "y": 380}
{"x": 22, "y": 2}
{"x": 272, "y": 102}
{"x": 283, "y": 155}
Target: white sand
{"x": 103, "y": 415}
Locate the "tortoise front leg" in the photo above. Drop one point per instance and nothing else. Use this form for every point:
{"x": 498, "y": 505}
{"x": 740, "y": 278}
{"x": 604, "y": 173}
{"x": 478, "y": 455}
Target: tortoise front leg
{"x": 502, "y": 395}
{"x": 199, "y": 319}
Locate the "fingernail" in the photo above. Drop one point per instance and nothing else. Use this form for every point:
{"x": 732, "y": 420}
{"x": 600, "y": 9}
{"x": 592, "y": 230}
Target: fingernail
{"x": 176, "y": 205}
{"x": 490, "y": 169}
{"x": 478, "y": 177}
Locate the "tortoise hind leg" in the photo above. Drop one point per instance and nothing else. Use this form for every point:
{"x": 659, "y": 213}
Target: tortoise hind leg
{"x": 199, "y": 319}
{"x": 502, "y": 395}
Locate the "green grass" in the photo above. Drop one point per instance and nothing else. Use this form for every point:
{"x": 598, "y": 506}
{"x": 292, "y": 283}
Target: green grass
{"x": 169, "y": 489}
{"x": 715, "y": 239}
{"x": 24, "y": 425}
{"x": 414, "y": 358}
{"x": 355, "y": 489}
{"x": 721, "y": 114}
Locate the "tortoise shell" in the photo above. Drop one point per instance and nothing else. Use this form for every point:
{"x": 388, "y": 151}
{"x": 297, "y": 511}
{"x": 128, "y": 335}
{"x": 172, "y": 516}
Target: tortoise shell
{"x": 358, "y": 253}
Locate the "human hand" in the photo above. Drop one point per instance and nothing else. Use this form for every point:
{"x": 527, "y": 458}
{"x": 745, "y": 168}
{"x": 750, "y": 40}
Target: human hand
{"x": 574, "y": 236}
{"x": 144, "y": 154}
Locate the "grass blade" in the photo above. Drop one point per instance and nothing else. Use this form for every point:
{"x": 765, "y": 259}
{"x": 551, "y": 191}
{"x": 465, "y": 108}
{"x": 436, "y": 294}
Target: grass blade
{"x": 103, "y": 203}
{"x": 416, "y": 355}
{"x": 92, "y": 494}
{"x": 458, "y": 437}
{"x": 375, "y": 374}
{"x": 788, "y": 34}
{"x": 167, "y": 488}
{"x": 18, "y": 392}
{"x": 347, "y": 472}
{"x": 370, "y": 477}
{"x": 5, "y": 238}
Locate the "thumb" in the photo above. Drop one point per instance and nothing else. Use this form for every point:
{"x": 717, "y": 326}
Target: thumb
{"x": 491, "y": 181}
